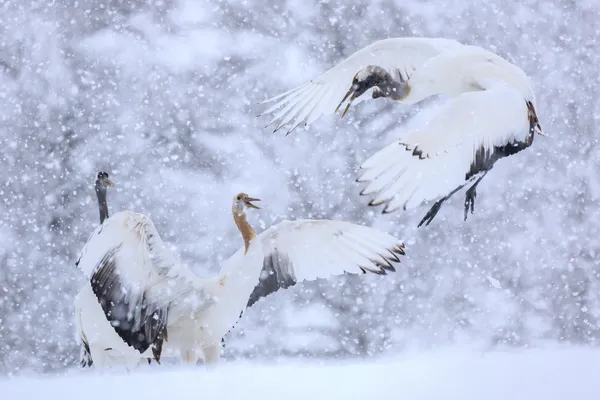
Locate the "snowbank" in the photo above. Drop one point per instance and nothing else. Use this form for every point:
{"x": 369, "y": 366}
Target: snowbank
{"x": 530, "y": 375}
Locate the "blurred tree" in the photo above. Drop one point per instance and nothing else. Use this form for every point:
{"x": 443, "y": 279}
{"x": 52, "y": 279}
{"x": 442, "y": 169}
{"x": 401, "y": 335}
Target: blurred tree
{"x": 163, "y": 96}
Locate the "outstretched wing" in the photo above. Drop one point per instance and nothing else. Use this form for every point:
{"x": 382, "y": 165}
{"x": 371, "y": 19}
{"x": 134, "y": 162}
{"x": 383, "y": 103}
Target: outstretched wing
{"x": 306, "y": 250}
{"x": 465, "y": 138}
{"x": 135, "y": 278}
{"x": 322, "y": 95}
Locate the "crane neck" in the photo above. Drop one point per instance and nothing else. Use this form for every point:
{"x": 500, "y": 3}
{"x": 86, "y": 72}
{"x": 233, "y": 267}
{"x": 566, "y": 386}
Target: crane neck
{"x": 102, "y": 206}
{"x": 246, "y": 230}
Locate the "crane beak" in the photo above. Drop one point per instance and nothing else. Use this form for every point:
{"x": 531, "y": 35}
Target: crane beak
{"x": 249, "y": 204}
{"x": 108, "y": 182}
{"x": 347, "y": 108}
{"x": 348, "y": 93}
{"x": 351, "y": 94}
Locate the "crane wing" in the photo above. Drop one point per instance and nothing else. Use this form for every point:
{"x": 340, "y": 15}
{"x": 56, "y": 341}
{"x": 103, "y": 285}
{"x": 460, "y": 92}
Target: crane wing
{"x": 464, "y": 139}
{"x": 306, "y": 250}
{"x": 322, "y": 95}
{"x": 135, "y": 278}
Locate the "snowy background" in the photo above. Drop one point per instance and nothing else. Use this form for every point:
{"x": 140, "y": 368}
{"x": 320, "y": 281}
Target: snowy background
{"x": 163, "y": 95}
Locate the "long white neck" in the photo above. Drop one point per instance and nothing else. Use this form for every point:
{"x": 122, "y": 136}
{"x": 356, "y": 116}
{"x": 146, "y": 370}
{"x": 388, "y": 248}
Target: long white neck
{"x": 229, "y": 292}
{"x": 237, "y": 279}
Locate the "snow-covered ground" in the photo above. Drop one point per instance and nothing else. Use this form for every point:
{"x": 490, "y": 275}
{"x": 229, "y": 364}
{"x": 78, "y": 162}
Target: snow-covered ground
{"x": 536, "y": 374}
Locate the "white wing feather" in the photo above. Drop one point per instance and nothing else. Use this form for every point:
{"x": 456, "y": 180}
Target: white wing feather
{"x": 144, "y": 261}
{"x": 323, "y": 248}
{"x": 305, "y": 250}
{"x": 136, "y": 279}
{"x": 322, "y": 95}
{"x": 432, "y": 161}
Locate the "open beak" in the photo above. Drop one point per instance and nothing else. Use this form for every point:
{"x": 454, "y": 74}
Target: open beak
{"x": 352, "y": 94}
{"x": 108, "y": 182}
{"x": 249, "y": 201}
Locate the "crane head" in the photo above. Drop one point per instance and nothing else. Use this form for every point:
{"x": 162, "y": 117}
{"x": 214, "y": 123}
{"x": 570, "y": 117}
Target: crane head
{"x": 103, "y": 181}
{"x": 242, "y": 202}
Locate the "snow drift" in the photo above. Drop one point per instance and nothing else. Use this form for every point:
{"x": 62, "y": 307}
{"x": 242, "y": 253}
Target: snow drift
{"x": 556, "y": 373}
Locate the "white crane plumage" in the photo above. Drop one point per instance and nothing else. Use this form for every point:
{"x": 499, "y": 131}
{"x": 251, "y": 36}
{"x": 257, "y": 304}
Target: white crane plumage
{"x": 490, "y": 114}
{"x": 84, "y": 300}
{"x": 159, "y": 307}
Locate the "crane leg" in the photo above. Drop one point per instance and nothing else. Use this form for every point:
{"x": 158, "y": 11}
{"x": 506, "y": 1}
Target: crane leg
{"x": 470, "y": 195}
{"x": 212, "y": 354}
{"x": 189, "y": 357}
{"x": 436, "y": 207}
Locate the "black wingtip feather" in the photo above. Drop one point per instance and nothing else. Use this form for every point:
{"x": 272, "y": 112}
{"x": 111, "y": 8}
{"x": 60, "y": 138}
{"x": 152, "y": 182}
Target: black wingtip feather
{"x": 387, "y": 210}
{"x": 373, "y": 203}
{"x": 400, "y": 249}
{"x": 388, "y": 265}
{"x": 86, "y": 355}
{"x": 273, "y": 280}
{"x": 393, "y": 256}
{"x": 109, "y": 290}
{"x": 157, "y": 344}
